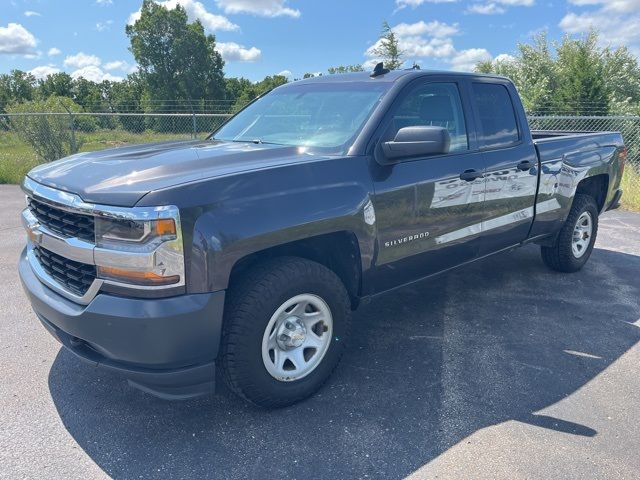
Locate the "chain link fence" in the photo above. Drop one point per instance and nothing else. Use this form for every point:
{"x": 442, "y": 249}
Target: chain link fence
{"x": 30, "y": 138}
{"x": 628, "y": 126}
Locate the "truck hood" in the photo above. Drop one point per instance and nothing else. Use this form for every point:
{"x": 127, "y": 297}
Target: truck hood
{"x": 122, "y": 176}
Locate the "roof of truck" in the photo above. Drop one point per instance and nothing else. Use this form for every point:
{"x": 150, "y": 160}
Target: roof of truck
{"x": 392, "y": 76}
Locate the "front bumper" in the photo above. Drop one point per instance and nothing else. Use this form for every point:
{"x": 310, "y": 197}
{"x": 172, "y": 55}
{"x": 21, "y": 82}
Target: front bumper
{"x": 166, "y": 347}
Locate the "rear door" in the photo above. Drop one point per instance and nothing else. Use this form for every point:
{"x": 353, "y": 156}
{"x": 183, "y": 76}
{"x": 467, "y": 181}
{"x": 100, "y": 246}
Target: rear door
{"x": 428, "y": 218}
{"x": 510, "y": 163}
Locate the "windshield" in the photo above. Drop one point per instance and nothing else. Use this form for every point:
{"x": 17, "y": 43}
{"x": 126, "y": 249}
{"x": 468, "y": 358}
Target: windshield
{"x": 323, "y": 115}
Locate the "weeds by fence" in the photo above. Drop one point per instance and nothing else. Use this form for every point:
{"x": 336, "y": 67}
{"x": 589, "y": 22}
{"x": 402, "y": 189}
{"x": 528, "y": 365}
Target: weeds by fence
{"x": 95, "y": 131}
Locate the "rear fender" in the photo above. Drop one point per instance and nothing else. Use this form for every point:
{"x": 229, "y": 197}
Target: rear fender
{"x": 560, "y": 179}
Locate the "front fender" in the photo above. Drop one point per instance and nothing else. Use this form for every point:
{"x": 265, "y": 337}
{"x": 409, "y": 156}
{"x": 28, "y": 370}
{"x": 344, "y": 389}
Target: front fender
{"x": 228, "y": 218}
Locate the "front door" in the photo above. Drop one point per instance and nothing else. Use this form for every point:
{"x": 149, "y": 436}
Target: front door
{"x": 428, "y": 210}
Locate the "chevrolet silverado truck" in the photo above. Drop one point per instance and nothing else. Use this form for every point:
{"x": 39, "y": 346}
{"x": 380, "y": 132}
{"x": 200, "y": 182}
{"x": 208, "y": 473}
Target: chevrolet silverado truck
{"x": 244, "y": 254}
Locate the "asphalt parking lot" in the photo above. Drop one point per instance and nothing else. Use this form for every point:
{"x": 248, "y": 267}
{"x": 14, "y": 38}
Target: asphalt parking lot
{"x": 503, "y": 369}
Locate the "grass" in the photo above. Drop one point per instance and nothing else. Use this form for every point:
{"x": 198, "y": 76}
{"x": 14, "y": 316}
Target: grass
{"x": 631, "y": 188}
{"x": 17, "y": 158}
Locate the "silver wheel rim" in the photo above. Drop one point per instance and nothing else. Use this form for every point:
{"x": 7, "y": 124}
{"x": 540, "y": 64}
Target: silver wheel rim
{"x": 582, "y": 233}
{"x": 297, "y": 337}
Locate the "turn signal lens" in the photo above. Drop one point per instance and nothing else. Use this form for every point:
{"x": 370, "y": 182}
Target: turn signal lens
{"x": 165, "y": 226}
{"x": 622, "y": 155}
{"x": 135, "y": 277}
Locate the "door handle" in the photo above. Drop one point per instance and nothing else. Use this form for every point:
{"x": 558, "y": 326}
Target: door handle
{"x": 525, "y": 165}
{"x": 470, "y": 175}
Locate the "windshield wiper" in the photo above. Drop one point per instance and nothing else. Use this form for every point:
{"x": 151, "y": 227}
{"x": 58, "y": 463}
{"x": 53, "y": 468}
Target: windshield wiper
{"x": 257, "y": 141}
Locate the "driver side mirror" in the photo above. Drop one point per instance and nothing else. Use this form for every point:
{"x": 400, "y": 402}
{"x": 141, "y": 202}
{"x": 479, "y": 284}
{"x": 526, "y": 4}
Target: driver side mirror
{"x": 416, "y": 141}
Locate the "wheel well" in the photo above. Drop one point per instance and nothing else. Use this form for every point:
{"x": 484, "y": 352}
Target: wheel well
{"x": 337, "y": 251}
{"x": 597, "y": 187}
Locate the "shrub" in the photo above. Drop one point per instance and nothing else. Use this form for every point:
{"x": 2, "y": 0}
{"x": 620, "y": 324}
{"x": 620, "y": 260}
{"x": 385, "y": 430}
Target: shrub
{"x": 51, "y": 136}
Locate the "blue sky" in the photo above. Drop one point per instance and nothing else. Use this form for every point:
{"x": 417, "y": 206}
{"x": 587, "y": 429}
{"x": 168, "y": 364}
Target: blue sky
{"x": 264, "y": 37}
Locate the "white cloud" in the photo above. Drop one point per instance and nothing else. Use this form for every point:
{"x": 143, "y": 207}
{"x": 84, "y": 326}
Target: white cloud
{"x": 81, "y": 60}
{"x": 434, "y": 29}
{"x": 33, "y": 55}
{"x": 616, "y": 22}
{"x": 104, "y": 2}
{"x": 14, "y": 38}
{"x": 286, "y": 73}
{"x": 517, "y": 3}
{"x": 485, "y": 9}
{"x": 612, "y": 5}
{"x": 420, "y": 39}
{"x": 416, "y": 3}
{"x": 504, "y": 58}
{"x": 102, "y": 26}
{"x": 31, "y": 13}
{"x": 43, "y": 71}
{"x": 432, "y": 40}
{"x": 265, "y": 8}
{"x": 195, "y": 11}
{"x": 116, "y": 65}
{"x": 232, "y": 52}
{"x": 493, "y": 7}
{"x": 466, "y": 60}
{"x": 120, "y": 65}
{"x": 94, "y": 74}
{"x": 53, "y": 51}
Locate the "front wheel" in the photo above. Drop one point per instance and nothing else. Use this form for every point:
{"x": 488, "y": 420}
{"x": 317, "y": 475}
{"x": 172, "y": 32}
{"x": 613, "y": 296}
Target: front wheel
{"x": 576, "y": 239}
{"x": 284, "y": 331}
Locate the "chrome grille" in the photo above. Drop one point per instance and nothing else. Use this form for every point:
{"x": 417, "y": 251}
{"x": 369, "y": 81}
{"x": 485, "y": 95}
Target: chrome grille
{"x": 62, "y": 222}
{"x": 74, "y": 276}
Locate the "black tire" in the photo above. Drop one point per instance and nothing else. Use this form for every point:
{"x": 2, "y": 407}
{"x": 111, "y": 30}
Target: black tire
{"x": 560, "y": 256}
{"x": 251, "y": 304}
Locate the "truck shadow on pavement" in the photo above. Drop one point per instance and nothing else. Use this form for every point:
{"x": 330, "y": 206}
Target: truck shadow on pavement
{"x": 428, "y": 366}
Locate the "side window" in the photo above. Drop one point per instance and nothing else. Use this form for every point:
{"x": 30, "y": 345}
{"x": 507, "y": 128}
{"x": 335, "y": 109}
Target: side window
{"x": 498, "y": 126}
{"x": 436, "y": 104}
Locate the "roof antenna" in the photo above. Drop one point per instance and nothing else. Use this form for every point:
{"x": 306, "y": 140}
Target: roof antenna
{"x": 379, "y": 70}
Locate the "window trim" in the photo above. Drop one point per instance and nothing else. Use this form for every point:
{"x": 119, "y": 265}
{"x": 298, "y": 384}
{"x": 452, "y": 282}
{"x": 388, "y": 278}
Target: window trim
{"x": 506, "y": 85}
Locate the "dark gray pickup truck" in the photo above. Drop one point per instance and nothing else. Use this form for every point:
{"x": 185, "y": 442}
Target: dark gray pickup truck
{"x": 249, "y": 250}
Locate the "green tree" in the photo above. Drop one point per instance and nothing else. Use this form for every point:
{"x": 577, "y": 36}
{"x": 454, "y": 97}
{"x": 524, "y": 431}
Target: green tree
{"x": 575, "y": 76}
{"x": 126, "y": 97}
{"x": 16, "y": 86}
{"x": 235, "y": 88}
{"x": 177, "y": 60}
{"x": 58, "y": 84}
{"x": 252, "y": 91}
{"x": 622, "y": 73}
{"x": 345, "y": 69}
{"x": 582, "y": 88}
{"x": 87, "y": 94}
{"x": 388, "y": 48}
{"x": 533, "y": 70}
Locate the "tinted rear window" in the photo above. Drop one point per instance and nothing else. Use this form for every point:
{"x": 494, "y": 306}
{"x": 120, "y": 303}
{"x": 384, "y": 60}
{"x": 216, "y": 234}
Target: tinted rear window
{"x": 497, "y": 117}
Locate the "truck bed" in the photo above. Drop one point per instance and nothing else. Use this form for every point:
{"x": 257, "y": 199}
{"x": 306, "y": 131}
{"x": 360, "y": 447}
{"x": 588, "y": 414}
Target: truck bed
{"x": 554, "y": 144}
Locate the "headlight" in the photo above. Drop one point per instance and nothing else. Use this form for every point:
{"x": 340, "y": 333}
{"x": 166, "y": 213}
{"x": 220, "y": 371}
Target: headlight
{"x": 123, "y": 232}
{"x": 141, "y": 252}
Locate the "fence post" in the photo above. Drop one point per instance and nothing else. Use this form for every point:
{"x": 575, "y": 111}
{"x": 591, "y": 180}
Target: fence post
{"x": 72, "y": 126}
{"x": 195, "y": 126}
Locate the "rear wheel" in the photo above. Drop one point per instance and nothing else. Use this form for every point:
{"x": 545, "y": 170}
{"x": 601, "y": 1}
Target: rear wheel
{"x": 284, "y": 331}
{"x": 576, "y": 239}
